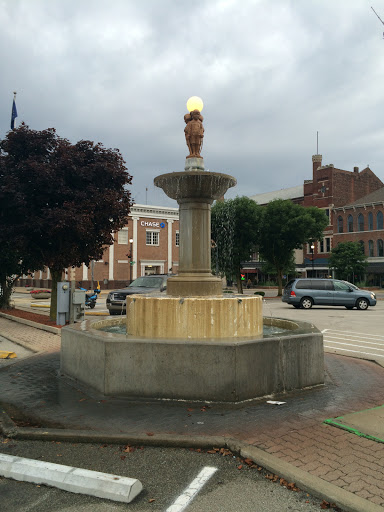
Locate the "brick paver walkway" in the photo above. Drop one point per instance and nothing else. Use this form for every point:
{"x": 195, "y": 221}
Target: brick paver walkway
{"x": 294, "y": 432}
{"x": 36, "y": 340}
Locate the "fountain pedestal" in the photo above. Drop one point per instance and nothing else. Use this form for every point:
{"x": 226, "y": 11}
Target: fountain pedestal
{"x": 194, "y": 190}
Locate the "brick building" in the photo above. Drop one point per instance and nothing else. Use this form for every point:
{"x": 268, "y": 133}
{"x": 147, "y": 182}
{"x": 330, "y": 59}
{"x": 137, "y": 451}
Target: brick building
{"x": 330, "y": 189}
{"x": 362, "y": 221}
{"x": 148, "y": 244}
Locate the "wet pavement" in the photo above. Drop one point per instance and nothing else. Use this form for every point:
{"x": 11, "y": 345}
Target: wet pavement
{"x": 291, "y": 437}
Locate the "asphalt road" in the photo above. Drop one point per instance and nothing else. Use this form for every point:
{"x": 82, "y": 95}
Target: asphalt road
{"x": 165, "y": 474}
{"x": 347, "y": 332}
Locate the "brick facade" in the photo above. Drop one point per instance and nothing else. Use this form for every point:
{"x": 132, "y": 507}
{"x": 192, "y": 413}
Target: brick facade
{"x": 363, "y": 222}
{"x": 152, "y": 230}
{"x": 331, "y": 189}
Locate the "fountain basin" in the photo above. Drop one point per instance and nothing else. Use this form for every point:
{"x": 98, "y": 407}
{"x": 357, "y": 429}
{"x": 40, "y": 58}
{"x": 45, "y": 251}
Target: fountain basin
{"x": 195, "y": 185}
{"x": 225, "y": 370}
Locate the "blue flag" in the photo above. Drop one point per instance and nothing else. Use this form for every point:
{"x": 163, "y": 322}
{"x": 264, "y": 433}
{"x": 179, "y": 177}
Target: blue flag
{"x": 14, "y": 115}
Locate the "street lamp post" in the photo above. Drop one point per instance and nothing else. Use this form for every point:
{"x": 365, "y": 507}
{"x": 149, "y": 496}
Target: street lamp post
{"x": 131, "y": 260}
{"x": 313, "y": 258}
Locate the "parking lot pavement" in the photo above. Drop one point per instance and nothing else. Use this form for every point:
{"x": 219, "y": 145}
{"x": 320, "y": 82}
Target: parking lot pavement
{"x": 347, "y": 332}
{"x": 166, "y": 475}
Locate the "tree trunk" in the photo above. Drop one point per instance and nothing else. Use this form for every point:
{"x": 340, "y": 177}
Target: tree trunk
{"x": 6, "y": 288}
{"x": 56, "y": 278}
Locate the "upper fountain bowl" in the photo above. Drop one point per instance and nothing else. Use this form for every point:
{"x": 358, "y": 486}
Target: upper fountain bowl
{"x": 196, "y": 185}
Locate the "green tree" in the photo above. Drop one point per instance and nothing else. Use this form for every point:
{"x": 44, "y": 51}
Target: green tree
{"x": 59, "y": 202}
{"x": 348, "y": 260}
{"x": 285, "y": 227}
{"x": 235, "y": 232}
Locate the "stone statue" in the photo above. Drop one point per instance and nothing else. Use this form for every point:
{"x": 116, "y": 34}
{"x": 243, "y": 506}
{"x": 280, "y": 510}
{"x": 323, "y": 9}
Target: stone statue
{"x": 194, "y": 133}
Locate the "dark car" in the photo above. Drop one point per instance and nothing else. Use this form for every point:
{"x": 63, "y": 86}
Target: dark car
{"x": 144, "y": 284}
{"x": 304, "y": 293}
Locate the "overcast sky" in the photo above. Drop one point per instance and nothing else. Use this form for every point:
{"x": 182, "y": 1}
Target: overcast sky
{"x": 271, "y": 74}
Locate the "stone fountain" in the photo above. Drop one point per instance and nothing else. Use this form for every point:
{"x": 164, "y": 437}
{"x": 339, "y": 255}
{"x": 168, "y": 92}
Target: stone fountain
{"x": 194, "y": 307}
{"x": 193, "y": 343}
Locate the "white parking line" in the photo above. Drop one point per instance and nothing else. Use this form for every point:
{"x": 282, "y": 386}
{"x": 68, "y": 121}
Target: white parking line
{"x": 335, "y": 341}
{"x": 354, "y": 345}
{"x": 190, "y": 492}
{"x": 353, "y": 334}
{"x": 356, "y": 351}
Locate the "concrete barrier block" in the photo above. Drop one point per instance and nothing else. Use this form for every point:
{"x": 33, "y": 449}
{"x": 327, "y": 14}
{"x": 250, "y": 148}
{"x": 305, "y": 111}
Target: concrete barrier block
{"x": 76, "y": 480}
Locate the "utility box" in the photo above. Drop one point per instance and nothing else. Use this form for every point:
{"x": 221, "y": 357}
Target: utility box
{"x": 63, "y": 296}
{"x": 77, "y": 305}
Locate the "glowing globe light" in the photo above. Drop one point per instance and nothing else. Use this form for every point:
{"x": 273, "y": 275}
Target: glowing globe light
{"x": 195, "y": 103}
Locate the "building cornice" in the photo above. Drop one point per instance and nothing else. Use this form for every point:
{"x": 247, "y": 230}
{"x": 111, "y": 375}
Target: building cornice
{"x": 155, "y": 212}
{"x": 362, "y": 205}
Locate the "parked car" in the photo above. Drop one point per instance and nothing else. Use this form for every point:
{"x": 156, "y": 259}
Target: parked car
{"x": 144, "y": 284}
{"x": 304, "y": 293}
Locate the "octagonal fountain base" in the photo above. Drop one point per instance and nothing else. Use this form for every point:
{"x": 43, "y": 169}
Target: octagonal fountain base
{"x": 219, "y": 370}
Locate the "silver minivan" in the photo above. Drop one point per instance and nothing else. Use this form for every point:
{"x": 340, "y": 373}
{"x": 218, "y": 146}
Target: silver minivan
{"x": 304, "y": 293}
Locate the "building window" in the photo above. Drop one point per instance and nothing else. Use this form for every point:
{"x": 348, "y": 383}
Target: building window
{"x": 370, "y": 248}
{"x": 325, "y": 245}
{"x": 350, "y": 223}
{"x": 152, "y": 238}
{"x": 379, "y": 220}
{"x": 177, "y": 238}
{"x": 361, "y": 242}
{"x": 370, "y": 221}
{"x": 360, "y": 222}
{"x": 380, "y": 248}
{"x": 340, "y": 228}
{"x": 122, "y": 236}
{"x": 327, "y": 213}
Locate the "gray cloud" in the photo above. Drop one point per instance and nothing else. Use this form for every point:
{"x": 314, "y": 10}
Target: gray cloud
{"x": 271, "y": 74}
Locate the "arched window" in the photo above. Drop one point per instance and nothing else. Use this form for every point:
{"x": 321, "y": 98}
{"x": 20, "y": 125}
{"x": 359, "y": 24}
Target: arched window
{"x": 379, "y": 220}
{"x": 360, "y": 222}
{"x": 380, "y": 248}
{"x": 370, "y": 248}
{"x": 361, "y": 242}
{"x": 370, "y": 221}
{"x": 350, "y": 223}
{"x": 340, "y": 224}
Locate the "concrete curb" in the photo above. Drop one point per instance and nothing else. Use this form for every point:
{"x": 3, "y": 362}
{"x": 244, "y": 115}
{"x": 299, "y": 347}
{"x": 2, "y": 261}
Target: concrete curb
{"x": 316, "y": 486}
{"x": 84, "y": 481}
{"x": 30, "y": 323}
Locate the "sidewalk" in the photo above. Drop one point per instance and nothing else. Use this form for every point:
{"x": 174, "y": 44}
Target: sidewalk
{"x": 290, "y": 440}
